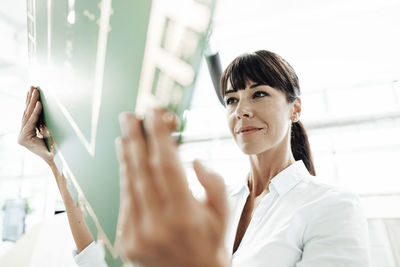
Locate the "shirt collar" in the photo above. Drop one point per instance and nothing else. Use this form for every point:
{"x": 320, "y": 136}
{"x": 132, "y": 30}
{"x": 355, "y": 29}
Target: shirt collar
{"x": 288, "y": 178}
{"x": 284, "y": 181}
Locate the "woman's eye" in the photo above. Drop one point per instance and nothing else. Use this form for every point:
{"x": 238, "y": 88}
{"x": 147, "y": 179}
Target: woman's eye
{"x": 231, "y": 100}
{"x": 259, "y": 94}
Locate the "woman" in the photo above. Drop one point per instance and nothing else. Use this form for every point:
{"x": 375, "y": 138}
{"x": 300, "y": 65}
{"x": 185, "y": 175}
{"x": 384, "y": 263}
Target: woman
{"x": 281, "y": 216}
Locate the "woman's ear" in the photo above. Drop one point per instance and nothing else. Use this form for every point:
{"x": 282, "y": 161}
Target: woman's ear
{"x": 296, "y": 110}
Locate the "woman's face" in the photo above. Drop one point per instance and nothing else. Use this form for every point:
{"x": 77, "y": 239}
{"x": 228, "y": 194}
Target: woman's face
{"x": 259, "y": 117}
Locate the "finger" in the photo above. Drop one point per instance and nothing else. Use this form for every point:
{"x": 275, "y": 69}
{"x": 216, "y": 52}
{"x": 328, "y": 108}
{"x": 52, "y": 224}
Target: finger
{"x": 215, "y": 189}
{"x": 129, "y": 200}
{"x": 28, "y": 97}
{"x": 165, "y": 155}
{"x": 145, "y": 180}
{"x": 28, "y": 129}
{"x": 34, "y": 116}
{"x": 171, "y": 120}
{"x": 29, "y": 94}
{"x": 31, "y": 105}
{"x": 129, "y": 216}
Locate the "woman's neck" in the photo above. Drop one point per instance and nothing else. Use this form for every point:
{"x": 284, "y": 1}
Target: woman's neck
{"x": 266, "y": 165}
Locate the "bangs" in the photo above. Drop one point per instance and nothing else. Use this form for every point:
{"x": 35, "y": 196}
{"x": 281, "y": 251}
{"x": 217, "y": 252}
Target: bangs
{"x": 261, "y": 67}
{"x": 247, "y": 68}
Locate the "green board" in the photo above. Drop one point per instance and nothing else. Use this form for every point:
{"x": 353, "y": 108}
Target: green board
{"x": 95, "y": 59}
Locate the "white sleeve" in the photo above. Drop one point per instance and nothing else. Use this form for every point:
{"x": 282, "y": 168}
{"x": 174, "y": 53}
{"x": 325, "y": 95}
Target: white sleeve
{"x": 91, "y": 256}
{"x": 337, "y": 234}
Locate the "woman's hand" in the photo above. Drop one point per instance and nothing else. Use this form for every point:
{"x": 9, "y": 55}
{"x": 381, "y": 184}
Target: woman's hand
{"x": 161, "y": 223}
{"x": 30, "y": 136}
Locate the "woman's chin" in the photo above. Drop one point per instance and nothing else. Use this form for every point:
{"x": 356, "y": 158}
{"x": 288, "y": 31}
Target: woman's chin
{"x": 250, "y": 150}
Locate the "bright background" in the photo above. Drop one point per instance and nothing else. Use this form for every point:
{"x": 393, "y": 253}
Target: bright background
{"x": 345, "y": 52}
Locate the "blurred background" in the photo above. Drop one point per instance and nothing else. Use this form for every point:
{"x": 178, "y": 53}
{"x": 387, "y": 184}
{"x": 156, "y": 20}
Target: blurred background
{"x": 347, "y": 56}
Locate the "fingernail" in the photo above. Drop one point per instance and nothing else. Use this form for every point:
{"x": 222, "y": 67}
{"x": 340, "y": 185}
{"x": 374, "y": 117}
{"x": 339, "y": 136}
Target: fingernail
{"x": 150, "y": 113}
{"x": 118, "y": 143}
{"x": 200, "y": 164}
{"x": 168, "y": 118}
{"x": 122, "y": 117}
{"x": 122, "y": 121}
{"x": 149, "y": 118}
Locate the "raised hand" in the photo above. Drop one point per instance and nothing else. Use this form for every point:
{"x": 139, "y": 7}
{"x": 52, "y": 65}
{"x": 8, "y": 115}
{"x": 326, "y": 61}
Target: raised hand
{"x": 30, "y": 136}
{"x": 161, "y": 223}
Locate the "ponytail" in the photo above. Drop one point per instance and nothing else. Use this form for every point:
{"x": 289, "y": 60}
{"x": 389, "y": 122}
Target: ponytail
{"x": 301, "y": 147}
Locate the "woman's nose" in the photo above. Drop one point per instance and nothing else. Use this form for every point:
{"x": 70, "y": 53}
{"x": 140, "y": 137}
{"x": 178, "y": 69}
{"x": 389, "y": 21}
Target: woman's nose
{"x": 243, "y": 110}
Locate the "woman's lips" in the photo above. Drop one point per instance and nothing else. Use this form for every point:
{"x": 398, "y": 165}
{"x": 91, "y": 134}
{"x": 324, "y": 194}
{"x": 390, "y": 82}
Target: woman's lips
{"x": 248, "y": 130}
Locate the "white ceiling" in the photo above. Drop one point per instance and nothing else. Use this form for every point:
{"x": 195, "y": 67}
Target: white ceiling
{"x": 329, "y": 43}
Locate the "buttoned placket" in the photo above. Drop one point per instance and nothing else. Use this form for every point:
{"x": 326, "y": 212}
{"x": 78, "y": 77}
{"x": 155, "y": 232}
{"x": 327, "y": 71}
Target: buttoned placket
{"x": 258, "y": 214}
{"x": 276, "y": 188}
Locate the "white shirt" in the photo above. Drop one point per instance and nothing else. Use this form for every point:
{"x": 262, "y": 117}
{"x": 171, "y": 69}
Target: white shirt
{"x": 301, "y": 222}
{"x": 91, "y": 256}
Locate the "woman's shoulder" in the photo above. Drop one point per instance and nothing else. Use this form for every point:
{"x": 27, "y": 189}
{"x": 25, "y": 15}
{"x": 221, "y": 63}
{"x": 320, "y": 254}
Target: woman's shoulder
{"x": 324, "y": 197}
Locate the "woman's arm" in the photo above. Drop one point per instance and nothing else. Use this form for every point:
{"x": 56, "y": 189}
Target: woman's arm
{"x": 30, "y": 139}
{"x": 79, "y": 229}
{"x": 337, "y": 234}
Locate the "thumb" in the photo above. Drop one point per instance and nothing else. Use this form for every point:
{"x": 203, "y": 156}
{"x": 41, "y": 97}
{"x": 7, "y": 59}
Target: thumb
{"x": 214, "y": 187}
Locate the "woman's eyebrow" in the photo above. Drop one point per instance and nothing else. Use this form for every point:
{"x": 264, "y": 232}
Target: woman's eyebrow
{"x": 230, "y": 91}
{"x": 250, "y": 87}
{"x": 255, "y": 85}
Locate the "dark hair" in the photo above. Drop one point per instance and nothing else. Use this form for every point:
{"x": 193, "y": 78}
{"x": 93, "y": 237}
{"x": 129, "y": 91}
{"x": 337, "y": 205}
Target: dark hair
{"x": 268, "y": 68}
